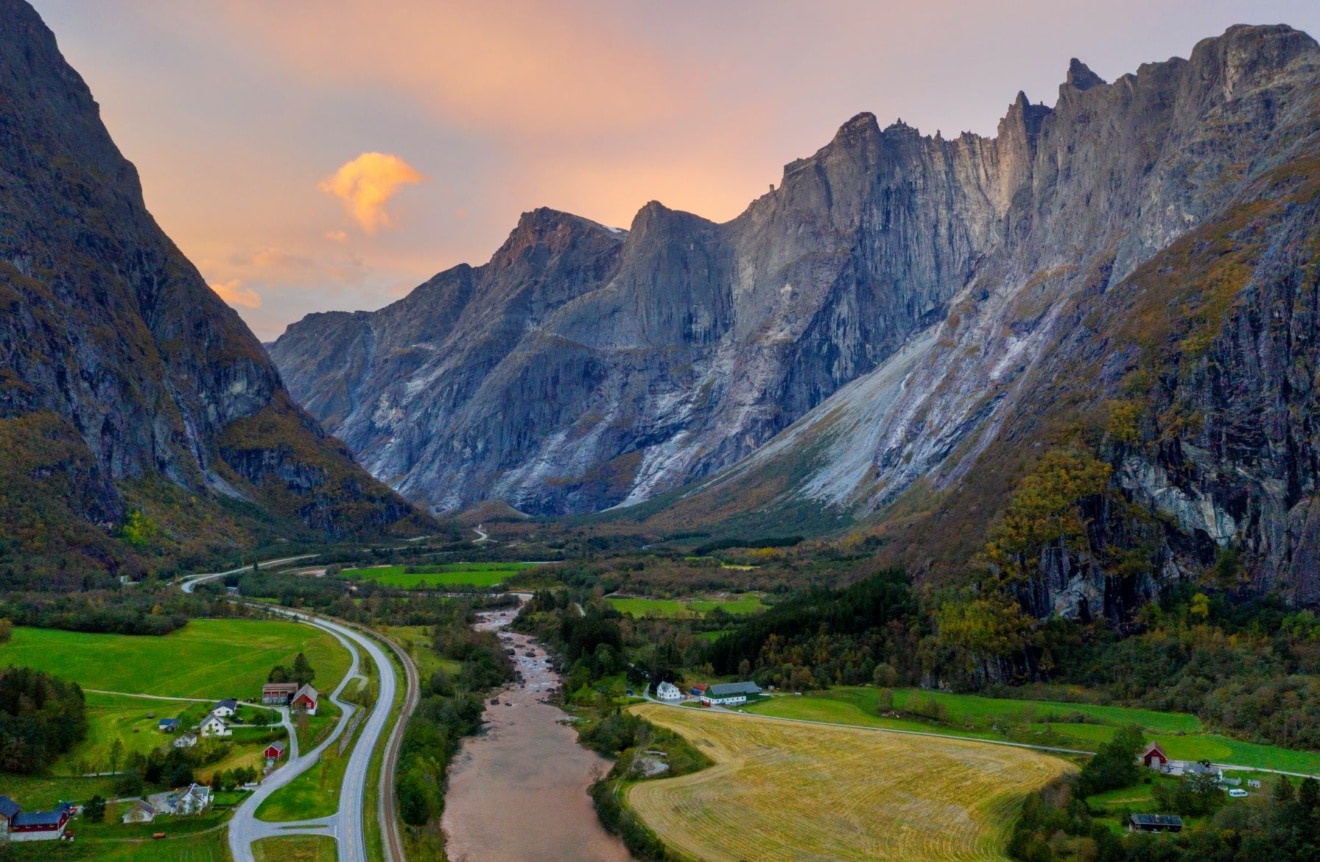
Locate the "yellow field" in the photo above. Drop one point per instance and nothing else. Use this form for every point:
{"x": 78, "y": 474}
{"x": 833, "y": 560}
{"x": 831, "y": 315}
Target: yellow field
{"x": 794, "y": 791}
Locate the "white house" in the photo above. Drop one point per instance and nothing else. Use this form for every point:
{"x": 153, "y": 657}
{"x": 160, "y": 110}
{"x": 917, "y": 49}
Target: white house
{"x": 730, "y": 693}
{"x": 193, "y": 800}
{"x": 225, "y": 708}
{"x": 187, "y": 740}
{"x": 214, "y": 725}
{"x": 668, "y": 691}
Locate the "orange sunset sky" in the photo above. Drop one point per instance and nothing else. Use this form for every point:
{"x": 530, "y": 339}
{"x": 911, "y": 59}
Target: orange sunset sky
{"x": 310, "y": 156}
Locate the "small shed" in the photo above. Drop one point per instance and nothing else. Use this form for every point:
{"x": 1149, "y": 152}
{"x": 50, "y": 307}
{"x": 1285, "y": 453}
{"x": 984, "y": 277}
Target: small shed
{"x": 187, "y": 740}
{"x": 168, "y": 725}
{"x": 275, "y": 750}
{"x": 1155, "y": 823}
{"x": 1155, "y": 758}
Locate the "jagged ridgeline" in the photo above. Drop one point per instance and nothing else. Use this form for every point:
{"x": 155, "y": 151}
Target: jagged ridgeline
{"x": 141, "y": 422}
{"x": 897, "y": 336}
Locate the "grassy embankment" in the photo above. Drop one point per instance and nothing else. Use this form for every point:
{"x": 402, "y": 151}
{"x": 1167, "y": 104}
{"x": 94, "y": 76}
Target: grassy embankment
{"x": 1065, "y": 725}
{"x": 785, "y": 791}
{"x": 295, "y": 848}
{"x": 440, "y": 576}
{"x": 686, "y": 608}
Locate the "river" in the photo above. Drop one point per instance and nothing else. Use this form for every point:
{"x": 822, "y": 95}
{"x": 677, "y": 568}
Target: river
{"x": 518, "y": 791}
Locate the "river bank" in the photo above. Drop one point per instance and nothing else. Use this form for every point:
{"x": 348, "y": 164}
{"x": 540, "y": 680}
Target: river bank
{"x": 519, "y": 790}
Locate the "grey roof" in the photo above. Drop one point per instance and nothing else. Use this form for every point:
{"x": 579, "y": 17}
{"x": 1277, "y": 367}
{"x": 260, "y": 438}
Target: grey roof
{"x": 729, "y": 689}
{"x": 278, "y": 746}
{"x": 307, "y": 690}
{"x": 231, "y": 703}
{"x": 8, "y": 807}
{"x": 1163, "y": 820}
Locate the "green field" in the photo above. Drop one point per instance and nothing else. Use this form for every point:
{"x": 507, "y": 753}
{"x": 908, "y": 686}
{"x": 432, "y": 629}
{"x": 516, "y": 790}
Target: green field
{"x": 202, "y": 840}
{"x": 681, "y": 608}
{"x": 295, "y": 848}
{"x": 1035, "y": 722}
{"x": 447, "y": 575}
{"x": 204, "y": 659}
{"x": 133, "y": 721}
{"x": 416, "y": 642}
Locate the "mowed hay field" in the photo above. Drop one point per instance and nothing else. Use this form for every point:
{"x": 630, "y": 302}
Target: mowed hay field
{"x": 204, "y": 659}
{"x": 782, "y": 790}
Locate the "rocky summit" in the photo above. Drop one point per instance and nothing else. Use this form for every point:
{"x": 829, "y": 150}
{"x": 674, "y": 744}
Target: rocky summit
{"x": 898, "y": 332}
{"x": 129, "y": 393}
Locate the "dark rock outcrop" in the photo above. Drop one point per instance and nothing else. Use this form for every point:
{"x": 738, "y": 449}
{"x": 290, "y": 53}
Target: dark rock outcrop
{"x": 111, "y": 342}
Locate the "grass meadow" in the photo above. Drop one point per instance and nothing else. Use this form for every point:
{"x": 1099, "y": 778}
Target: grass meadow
{"x": 204, "y": 659}
{"x": 783, "y": 791}
{"x": 295, "y": 848}
{"x": 438, "y": 576}
{"x": 681, "y": 608}
{"x": 1064, "y": 725}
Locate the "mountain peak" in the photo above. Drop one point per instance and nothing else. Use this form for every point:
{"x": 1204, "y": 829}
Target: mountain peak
{"x": 1081, "y": 77}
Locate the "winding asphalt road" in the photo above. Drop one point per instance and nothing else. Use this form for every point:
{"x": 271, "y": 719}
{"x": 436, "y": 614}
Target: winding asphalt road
{"x": 346, "y": 826}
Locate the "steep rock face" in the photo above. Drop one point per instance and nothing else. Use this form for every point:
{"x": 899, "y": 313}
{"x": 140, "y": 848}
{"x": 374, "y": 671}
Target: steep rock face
{"x": 925, "y": 278}
{"x": 1175, "y": 282}
{"x": 108, "y": 332}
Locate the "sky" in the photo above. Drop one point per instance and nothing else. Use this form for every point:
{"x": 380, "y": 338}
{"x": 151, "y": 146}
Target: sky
{"x": 333, "y": 155}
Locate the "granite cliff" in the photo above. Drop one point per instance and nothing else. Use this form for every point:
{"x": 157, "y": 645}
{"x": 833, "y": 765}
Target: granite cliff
{"x": 898, "y": 334}
{"x": 128, "y": 390}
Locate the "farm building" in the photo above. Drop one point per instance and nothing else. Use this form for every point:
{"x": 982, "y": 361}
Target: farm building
{"x": 730, "y": 693}
{"x": 275, "y": 750}
{"x": 139, "y": 811}
{"x": 187, "y": 740}
{"x": 225, "y": 708}
{"x": 668, "y": 691}
{"x": 278, "y": 693}
{"x": 168, "y": 725}
{"x": 1155, "y": 823}
{"x": 214, "y": 725}
{"x": 305, "y": 700}
{"x": 1155, "y": 757}
{"x": 8, "y": 811}
{"x": 699, "y": 689}
{"x": 40, "y": 825}
{"x": 193, "y": 800}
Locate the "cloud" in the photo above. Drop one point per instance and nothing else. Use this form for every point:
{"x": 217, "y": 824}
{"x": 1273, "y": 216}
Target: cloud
{"x": 337, "y": 236}
{"x": 234, "y": 293}
{"x": 367, "y": 183}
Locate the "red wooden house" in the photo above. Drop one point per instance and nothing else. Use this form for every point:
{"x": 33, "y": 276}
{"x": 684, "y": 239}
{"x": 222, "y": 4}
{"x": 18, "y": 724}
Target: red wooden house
{"x": 275, "y": 751}
{"x": 1155, "y": 758}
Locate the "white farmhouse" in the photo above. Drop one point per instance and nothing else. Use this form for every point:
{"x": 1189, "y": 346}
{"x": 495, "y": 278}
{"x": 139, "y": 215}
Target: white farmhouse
{"x": 214, "y": 725}
{"x": 668, "y": 691}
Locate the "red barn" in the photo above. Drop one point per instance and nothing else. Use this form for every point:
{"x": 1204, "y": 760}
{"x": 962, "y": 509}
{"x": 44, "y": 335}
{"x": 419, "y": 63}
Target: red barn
{"x": 1155, "y": 757}
{"x": 275, "y": 750}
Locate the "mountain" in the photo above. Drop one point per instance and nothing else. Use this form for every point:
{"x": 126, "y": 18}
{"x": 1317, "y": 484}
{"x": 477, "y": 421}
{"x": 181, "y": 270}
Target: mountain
{"x": 138, "y": 414}
{"x": 903, "y": 335}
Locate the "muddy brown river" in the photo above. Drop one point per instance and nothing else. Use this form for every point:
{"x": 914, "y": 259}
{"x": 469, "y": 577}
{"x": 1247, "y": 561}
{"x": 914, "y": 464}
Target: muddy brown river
{"x": 518, "y": 792}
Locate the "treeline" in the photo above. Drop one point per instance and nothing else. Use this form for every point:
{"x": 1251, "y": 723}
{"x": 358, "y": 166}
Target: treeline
{"x": 630, "y": 741}
{"x": 41, "y": 717}
{"x": 823, "y": 636}
{"x": 139, "y": 610}
{"x": 449, "y": 709}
